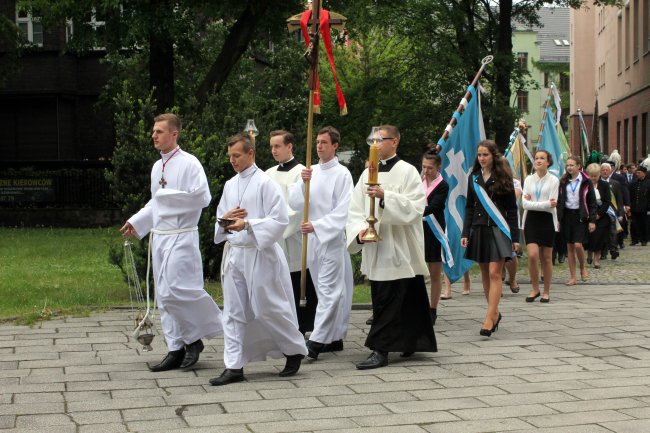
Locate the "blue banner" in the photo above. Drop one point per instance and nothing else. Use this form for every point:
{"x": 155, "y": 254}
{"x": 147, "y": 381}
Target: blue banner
{"x": 551, "y": 143}
{"x": 458, "y": 153}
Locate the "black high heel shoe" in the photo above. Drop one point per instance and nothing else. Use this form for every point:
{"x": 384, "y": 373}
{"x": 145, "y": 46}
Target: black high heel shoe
{"x": 496, "y": 325}
{"x": 487, "y": 332}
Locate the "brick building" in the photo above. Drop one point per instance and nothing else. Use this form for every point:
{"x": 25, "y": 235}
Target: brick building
{"x": 56, "y": 141}
{"x": 610, "y": 63}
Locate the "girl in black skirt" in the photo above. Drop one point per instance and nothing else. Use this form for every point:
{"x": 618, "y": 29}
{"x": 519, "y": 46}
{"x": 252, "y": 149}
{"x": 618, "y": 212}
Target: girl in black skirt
{"x": 599, "y": 238}
{"x": 436, "y": 190}
{"x": 484, "y": 232}
{"x": 540, "y": 223}
{"x": 576, "y": 210}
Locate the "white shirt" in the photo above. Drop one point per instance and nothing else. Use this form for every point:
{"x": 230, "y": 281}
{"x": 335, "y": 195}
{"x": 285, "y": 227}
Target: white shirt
{"x": 573, "y": 193}
{"x": 541, "y": 191}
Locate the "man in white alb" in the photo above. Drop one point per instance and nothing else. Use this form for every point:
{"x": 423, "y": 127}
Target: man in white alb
{"x": 259, "y": 315}
{"x": 395, "y": 265}
{"x": 179, "y": 191}
{"x": 286, "y": 173}
{"x": 329, "y": 262}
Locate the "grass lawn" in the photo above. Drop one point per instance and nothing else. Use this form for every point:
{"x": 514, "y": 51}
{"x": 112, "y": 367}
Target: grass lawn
{"x": 51, "y": 271}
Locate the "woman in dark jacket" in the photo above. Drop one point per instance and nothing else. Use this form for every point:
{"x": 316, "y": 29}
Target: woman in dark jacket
{"x": 576, "y": 211}
{"x": 599, "y": 238}
{"x": 436, "y": 190}
{"x": 490, "y": 234}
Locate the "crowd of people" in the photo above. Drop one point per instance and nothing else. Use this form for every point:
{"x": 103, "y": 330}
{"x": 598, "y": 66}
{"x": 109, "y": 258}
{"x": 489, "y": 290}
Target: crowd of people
{"x": 260, "y": 221}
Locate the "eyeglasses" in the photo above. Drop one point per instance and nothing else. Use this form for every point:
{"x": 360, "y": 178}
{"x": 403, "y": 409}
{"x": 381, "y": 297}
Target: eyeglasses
{"x": 387, "y": 138}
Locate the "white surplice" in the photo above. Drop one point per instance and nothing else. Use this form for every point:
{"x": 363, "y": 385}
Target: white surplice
{"x": 291, "y": 242}
{"x": 187, "y": 312}
{"x": 327, "y": 256}
{"x": 259, "y": 314}
{"x": 400, "y": 253}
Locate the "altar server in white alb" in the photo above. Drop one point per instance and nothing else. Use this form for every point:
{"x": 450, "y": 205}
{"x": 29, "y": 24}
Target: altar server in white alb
{"x": 286, "y": 173}
{"x": 179, "y": 191}
{"x": 395, "y": 265}
{"x": 331, "y": 270}
{"x": 259, "y": 315}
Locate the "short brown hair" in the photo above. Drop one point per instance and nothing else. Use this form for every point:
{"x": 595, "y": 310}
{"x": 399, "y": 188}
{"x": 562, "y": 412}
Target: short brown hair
{"x": 172, "y": 120}
{"x": 287, "y": 137}
{"x": 391, "y": 129}
{"x": 334, "y": 134}
{"x": 244, "y": 138}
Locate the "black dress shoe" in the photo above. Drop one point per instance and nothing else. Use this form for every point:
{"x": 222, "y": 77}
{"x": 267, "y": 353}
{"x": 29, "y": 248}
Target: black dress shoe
{"x": 532, "y": 298}
{"x": 192, "y": 352}
{"x": 229, "y": 375}
{"x": 614, "y": 255}
{"x": 292, "y": 366}
{"x": 589, "y": 260}
{"x": 334, "y": 346}
{"x": 406, "y": 354}
{"x": 173, "y": 360}
{"x": 314, "y": 349}
{"x": 375, "y": 360}
{"x": 370, "y": 320}
{"x": 561, "y": 258}
{"x": 633, "y": 243}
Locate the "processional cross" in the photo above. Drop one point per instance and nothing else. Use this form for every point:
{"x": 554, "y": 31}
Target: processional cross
{"x": 318, "y": 21}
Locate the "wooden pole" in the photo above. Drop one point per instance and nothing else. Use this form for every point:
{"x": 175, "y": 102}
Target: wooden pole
{"x": 461, "y": 106}
{"x": 313, "y": 75}
{"x": 548, "y": 101}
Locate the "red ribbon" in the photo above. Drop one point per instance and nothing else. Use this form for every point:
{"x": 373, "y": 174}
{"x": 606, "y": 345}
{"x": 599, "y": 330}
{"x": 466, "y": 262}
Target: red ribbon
{"x": 327, "y": 41}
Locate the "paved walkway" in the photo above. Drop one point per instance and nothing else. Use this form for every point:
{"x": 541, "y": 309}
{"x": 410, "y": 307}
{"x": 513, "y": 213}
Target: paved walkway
{"x": 578, "y": 364}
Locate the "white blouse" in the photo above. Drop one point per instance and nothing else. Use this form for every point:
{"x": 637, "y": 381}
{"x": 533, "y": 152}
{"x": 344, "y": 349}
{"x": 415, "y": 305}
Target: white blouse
{"x": 541, "y": 191}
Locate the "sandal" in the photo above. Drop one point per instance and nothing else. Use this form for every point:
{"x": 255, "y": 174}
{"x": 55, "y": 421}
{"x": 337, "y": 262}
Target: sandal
{"x": 444, "y": 297}
{"x": 570, "y": 283}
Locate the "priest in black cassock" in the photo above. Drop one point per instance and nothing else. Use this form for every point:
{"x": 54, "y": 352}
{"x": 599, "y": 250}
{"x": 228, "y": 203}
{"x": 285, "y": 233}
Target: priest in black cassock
{"x": 395, "y": 265}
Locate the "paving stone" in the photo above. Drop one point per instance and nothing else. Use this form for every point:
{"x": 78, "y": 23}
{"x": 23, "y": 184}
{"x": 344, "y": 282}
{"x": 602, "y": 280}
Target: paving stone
{"x": 212, "y": 397}
{"x": 631, "y": 426}
{"x": 7, "y": 421}
{"x": 71, "y": 396}
{"x": 237, "y": 418}
{"x": 275, "y": 404}
{"x": 392, "y": 429}
{"x": 302, "y": 425}
{"x": 127, "y": 403}
{"x": 490, "y": 425}
{"x": 639, "y": 412}
{"x": 5, "y": 398}
{"x": 50, "y": 429}
{"x": 611, "y": 392}
{"x": 31, "y": 408}
{"x": 40, "y": 397}
{"x": 97, "y": 417}
{"x": 588, "y": 428}
{"x": 576, "y": 418}
{"x": 115, "y": 427}
{"x": 68, "y": 378}
{"x": 111, "y": 385}
{"x": 34, "y": 421}
{"x": 156, "y": 425}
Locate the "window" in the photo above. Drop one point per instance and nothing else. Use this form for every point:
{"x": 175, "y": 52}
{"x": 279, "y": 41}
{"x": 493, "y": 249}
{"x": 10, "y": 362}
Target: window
{"x": 30, "y": 28}
{"x": 522, "y": 101}
{"x": 522, "y": 60}
{"x": 627, "y": 36}
{"x": 646, "y": 25}
{"x": 626, "y": 140}
{"x": 565, "y": 42}
{"x": 619, "y": 51}
{"x": 644, "y": 134}
{"x": 564, "y": 82}
{"x": 635, "y": 145}
{"x": 635, "y": 30}
{"x": 546, "y": 79}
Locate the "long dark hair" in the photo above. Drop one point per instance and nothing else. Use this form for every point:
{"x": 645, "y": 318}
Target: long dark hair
{"x": 566, "y": 177}
{"x": 432, "y": 154}
{"x": 500, "y": 171}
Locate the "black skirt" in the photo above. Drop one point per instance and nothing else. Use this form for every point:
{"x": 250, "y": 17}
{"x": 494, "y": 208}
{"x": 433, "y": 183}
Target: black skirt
{"x": 488, "y": 244}
{"x": 599, "y": 238}
{"x": 539, "y": 228}
{"x": 574, "y": 231}
{"x": 432, "y": 247}
{"x": 401, "y": 317}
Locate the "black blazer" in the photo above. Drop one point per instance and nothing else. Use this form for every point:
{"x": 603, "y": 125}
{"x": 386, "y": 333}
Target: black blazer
{"x": 475, "y": 213}
{"x": 625, "y": 187}
{"x": 436, "y": 202}
{"x": 605, "y": 197}
{"x": 587, "y": 198}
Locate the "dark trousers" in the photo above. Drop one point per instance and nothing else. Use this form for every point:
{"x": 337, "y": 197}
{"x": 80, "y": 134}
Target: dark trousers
{"x": 639, "y": 227}
{"x": 307, "y": 313}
